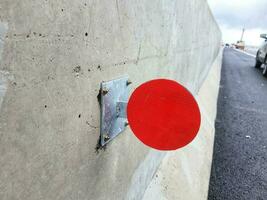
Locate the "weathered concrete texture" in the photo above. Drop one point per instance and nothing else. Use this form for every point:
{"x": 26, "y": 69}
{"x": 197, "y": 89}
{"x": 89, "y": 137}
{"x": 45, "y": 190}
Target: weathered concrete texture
{"x": 3, "y": 74}
{"x": 184, "y": 174}
{"x": 57, "y": 53}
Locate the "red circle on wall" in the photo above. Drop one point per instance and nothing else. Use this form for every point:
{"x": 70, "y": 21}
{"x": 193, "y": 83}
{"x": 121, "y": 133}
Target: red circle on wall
{"x": 163, "y": 114}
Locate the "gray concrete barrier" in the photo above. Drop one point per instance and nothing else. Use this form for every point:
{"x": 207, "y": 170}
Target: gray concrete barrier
{"x": 55, "y": 54}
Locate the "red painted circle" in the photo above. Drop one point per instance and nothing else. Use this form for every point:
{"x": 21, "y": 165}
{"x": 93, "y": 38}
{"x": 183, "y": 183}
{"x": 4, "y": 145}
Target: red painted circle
{"x": 163, "y": 114}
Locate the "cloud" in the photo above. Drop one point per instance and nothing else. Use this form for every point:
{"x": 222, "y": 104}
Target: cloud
{"x": 251, "y": 14}
{"x": 233, "y": 15}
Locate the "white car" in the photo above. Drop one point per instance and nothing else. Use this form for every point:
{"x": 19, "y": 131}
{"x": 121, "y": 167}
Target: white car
{"x": 261, "y": 57}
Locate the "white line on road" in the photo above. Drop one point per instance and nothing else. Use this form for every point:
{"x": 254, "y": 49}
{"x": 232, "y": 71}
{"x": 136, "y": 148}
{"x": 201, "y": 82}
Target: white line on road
{"x": 245, "y": 53}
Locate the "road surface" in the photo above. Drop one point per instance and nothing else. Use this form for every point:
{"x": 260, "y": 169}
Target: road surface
{"x": 251, "y": 50}
{"x": 239, "y": 169}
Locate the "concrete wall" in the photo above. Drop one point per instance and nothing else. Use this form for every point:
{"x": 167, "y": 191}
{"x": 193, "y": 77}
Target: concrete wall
{"x": 54, "y": 54}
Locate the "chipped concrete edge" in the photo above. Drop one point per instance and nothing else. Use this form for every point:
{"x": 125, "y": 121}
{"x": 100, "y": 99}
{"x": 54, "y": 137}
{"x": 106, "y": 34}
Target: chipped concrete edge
{"x": 4, "y": 75}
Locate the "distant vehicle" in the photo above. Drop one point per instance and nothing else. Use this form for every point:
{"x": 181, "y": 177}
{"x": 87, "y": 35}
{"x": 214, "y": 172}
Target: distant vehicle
{"x": 240, "y": 45}
{"x": 227, "y": 45}
{"x": 261, "y": 57}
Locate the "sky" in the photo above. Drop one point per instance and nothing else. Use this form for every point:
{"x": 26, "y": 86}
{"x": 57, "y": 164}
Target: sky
{"x": 234, "y": 15}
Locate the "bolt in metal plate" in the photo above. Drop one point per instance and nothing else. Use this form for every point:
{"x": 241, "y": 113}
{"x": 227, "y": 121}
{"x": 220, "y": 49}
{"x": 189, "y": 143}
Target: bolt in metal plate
{"x": 113, "y": 102}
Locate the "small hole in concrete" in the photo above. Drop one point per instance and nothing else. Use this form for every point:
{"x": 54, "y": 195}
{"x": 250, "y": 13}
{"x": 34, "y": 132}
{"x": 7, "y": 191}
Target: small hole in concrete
{"x": 77, "y": 69}
{"x": 86, "y": 34}
{"x": 79, "y": 116}
{"x": 45, "y": 106}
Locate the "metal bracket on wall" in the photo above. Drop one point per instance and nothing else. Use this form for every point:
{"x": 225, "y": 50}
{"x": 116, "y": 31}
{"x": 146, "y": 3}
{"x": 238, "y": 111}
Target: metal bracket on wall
{"x": 113, "y": 102}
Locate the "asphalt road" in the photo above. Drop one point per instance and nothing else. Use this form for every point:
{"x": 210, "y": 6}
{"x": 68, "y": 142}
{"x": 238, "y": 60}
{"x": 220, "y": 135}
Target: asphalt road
{"x": 239, "y": 168}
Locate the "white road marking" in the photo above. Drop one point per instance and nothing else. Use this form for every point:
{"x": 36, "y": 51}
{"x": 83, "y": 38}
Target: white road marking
{"x": 249, "y": 54}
